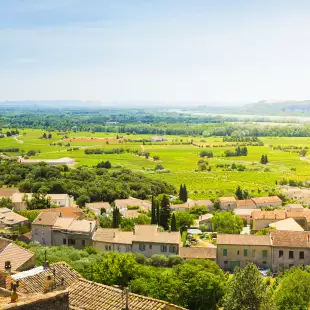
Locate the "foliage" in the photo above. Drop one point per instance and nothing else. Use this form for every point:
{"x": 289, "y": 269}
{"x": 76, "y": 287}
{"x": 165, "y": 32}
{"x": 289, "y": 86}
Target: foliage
{"x": 247, "y": 291}
{"x": 227, "y": 223}
{"x": 183, "y": 219}
{"x": 116, "y": 217}
{"x": 173, "y": 223}
{"x": 38, "y": 201}
{"x": 5, "y": 202}
{"x": 164, "y": 211}
{"x": 294, "y": 291}
{"x": 31, "y": 215}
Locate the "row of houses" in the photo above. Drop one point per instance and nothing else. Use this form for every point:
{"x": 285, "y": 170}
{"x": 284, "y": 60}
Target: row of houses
{"x": 277, "y": 251}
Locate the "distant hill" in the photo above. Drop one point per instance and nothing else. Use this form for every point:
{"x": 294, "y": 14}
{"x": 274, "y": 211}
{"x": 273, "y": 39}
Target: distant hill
{"x": 289, "y": 107}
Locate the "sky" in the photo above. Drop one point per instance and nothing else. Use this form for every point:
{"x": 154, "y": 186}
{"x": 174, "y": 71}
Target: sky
{"x": 171, "y": 51}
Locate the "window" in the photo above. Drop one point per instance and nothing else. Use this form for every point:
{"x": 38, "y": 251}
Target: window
{"x": 128, "y": 248}
{"x": 71, "y": 242}
{"x": 264, "y": 262}
{"x": 280, "y": 253}
{"x": 106, "y": 248}
{"x": 224, "y": 252}
{"x": 225, "y": 262}
{"x": 64, "y": 241}
{"x": 163, "y": 248}
{"x": 142, "y": 247}
{"x": 172, "y": 249}
{"x": 265, "y": 253}
{"x": 36, "y": 232}
{"x": 150, "y": 247}
{"x": 302, "y": 255}
{"x": 245, "y": 252}
{"x": 291, "y": 254}
{"x": 83, "y": 242}
{"x": 238, "y": 252}
{"x": 118, "y": 248}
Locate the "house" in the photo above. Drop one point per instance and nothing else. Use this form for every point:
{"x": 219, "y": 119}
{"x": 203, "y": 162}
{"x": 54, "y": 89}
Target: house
{"x": 131, "y": 213}
{"x": 41, "y": 227}
{"x": 289, "y": 248}
{"x": 83, "y": 294}
{"x": 201, "y": 203}
{"x": 206, "y": 219}
{"x": 158, "y": 139}
{"x": 228, "y": 203}
{"x": 296, "y": 193}
{"x": 182, "y": 207}
{"x": 287, "y": 224}
{"x": 297, "y": 207}
{"x": 238, "y": 250}
{"x": 73, "y": 232}
{"x": 246, "y": 204}
{"x": 145, "y": 239}
{"x": 11, "y": 219}
{"x": 263, "y": 202}
{"x": 52, "y": 162}
{"x": 245, "y": 214}
{"x": 19, "y": 258}
{"x": 198, "y": 252}
{"x": 74, "y": 212}
{"x": 60, "y": 200}
{"x": 262, "y": 219}
{"x": 99, "y": 208}
{"x": 123, "y": 204}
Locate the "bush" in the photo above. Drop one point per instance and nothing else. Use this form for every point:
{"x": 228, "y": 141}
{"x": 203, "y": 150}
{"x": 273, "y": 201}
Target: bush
{"x": 173, "y": 260}
{"x": 159, "y": 260}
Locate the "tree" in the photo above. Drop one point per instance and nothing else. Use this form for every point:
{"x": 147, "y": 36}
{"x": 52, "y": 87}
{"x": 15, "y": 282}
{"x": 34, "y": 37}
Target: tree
{"x": 294, "y": 290}
{"x": 116, "y": 217}
{"x": 248, "y": 291}
{"x": 266, "y": 159}
{"x": 239, "y": 193}
{"x": 5, "y": 202}
{"x": 157, "y": 211}
{"x": 107, "y": 165}
{"x": 262, "y": 160}
{"x": 82, "y": 200}
{"x": 183, "y": 219}
{"x": 37, "y": 201}
{"x": 227, "y": 223}
{"x": 44, "y": 136}
{"x": 153, "y": 211}
{"x": 49, "y": 136}
{"x": 181, "y": 193}
{"x": 185, "y": 193}
{"x": 164, "y": 212}
{"x": 173, "y": 223}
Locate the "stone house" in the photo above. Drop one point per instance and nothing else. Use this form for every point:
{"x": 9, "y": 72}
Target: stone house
{"x": 263, "y": 202}
{"x": 238, "y": 250}
{"x": 228, "y": 203}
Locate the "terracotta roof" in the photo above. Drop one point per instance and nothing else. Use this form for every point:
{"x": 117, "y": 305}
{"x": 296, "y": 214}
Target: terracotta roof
{"x": 295, "y": 206}
{"x": 299, "y": 214}
{"x": 112, "y": 235}
{"x": 180, "y": 206}
{"x": 269, "y": 215}
{"x": 269, "y": 199}
{"x": 8, "y": 217}
{"x": 98, "y": 205}
{"x": 230, "y": 239}
{"x": 245, "y": 203}
{"x": 89, "y": 295}
{"x": 7, "y": 191}
{"x": 131, "y": 201}
{"x": 83, "y": 226}
{"x": 131, "y": 213}
{"x": 46, "y": 218}
{"x": 18, "y": 197}
{"x": 35, "y": 283}
{"x": 66, "y": 211}
{"x": 63, "y": 223}
{"x": 205, "y": 217}
{"x": 290, "y": 238}
{"x": 17, "y": 255}
{"x": 246, "y": 212}
{"x": 206, "y": 203}
{"x": 160, "y": 237}
{"x": 227, "y": 199}
{"x": 195, "y": 252}
{"x": 287, "y": 224}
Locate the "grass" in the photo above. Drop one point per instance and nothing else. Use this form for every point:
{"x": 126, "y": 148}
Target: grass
{"x": 179, "y": 161}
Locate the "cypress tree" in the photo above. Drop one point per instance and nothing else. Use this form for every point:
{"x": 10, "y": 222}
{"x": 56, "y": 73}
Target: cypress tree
{"x": 157, "y": 212}
{"x": 239, "y": 193}
{"x": 262, "y": 160}
{"x": 185, "y": 193}
{"x": 116, "y": 218}
{"x": 173, "y": 223}
{"x": 153, "y": 217}
{"x": 266, "y": 159}
{"x": 181, "y": 192}
{"x": 164, "y": 212}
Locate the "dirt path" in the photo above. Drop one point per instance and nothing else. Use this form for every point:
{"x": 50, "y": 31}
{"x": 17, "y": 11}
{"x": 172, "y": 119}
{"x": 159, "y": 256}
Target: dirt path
{"x": 142, "y": 147}
{"x": 17, "y": 140}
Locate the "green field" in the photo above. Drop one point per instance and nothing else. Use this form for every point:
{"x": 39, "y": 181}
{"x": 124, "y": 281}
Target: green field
{"x": 179, "y": 160}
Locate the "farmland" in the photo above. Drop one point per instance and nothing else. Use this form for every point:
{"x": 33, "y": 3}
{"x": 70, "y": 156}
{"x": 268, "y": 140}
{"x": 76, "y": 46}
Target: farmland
{"x": 178, "y": 156}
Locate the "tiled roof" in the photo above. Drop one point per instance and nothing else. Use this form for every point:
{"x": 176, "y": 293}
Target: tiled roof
{"x": 271, "y": 199}
{"x": 269, "y": 215}
{"x": 287, "y": 224}
{"x": 46, "y": 218}
{"x": 205, "y": 217}
{"x": 112, "y": 235}
{"x": 131, "y": 213}
{"x": 67, "y": 211}
{"x": 35, "y": 283}
{"x": 227, "y": 199}
{"x": 63, "y": 223}
{"x": 18, "y": 197}
{"x": 131, "y": 201}
{"x": 17, "y": 255}
{"x": 230, "y": 239}
{"x": 89, "y": 295}
{"x": 290, "y": 238}
{"x": 245, "y": 203}
{"x": 7, "y": 191}
{"x": 206, "y": 203}
{"x": 246, "y": 212}
{"x": 98, "y": 205}
{"x": 180, "y": 206}
{"x": 195, "y": 252}
{"x": 84, "y": 226}
{"x": 8, "y": 217}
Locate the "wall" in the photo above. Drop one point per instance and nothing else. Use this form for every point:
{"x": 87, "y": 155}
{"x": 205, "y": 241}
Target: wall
{"x": 122, "y": 248}
{"x": 42, "y": 234}
{"x": 228, "y": 205}
{"x": 153, "y": 248}
{"x": 254, "y": 255}
{"x": 58, "y": 236}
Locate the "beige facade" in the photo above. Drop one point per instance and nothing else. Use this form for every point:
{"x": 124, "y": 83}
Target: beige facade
{"x": 150, "y": 248}
{"x": 263, "y": 202}
{"x": 228, "y": 203}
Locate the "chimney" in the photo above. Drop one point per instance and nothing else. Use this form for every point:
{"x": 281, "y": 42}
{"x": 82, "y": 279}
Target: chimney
{"x": 8, "y": 267}
{"x": 48, "y": 284}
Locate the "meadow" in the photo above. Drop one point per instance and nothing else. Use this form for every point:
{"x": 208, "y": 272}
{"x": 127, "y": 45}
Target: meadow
{"x": 178, "y": 157}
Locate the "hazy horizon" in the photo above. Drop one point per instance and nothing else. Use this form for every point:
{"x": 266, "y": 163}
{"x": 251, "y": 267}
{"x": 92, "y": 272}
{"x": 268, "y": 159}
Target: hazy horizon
{"x": 172, "y": 52}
